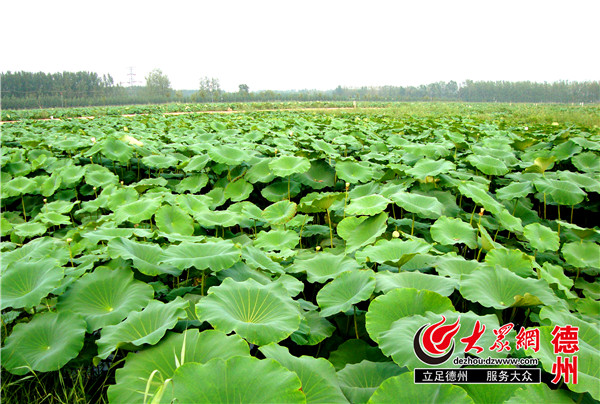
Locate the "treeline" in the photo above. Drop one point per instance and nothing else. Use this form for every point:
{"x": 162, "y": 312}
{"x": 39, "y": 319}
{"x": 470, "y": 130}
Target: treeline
{"x": 23, "y": 90}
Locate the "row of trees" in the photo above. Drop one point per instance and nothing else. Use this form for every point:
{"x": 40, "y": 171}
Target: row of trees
{"x": 41, "y": 90}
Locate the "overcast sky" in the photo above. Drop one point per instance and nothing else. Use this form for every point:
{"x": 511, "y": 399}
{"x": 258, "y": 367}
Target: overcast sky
{"x": 289, "y": 44}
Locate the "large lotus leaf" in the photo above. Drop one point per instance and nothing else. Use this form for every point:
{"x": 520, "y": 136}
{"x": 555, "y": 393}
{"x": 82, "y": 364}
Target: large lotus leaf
{"x": 279, "y": 213}
{"x": 344, "y": 291}
{"x": 324, "y": 266}
{"x": 287, "y": 165}
{"x": 500, "y": 288}
{"x": 99, "y": 176}
{"x": 256, "y": 259}
{"x": 313, "y": 329}
{"x": 214, "y": 255}
{"x": 480, "y": 196}
{"x": 146, "y": 257}
{"x": 280, "y": 190}
{"x": 582, "y": 254}
{"x": 359, "y": 381}
{"x": 319, "y": 380}
{"x": 228, "y": 155}
{"x": 402, "y": 389}
{"x": 399, "y": 303}
{"x": 260, "y": 172}
{"x": 19, "y": 186}
{"x": 238, "y": 190}
{"x": 450, "y": 231}
{"x": 425, "y": 206}
{"x": 105, "y": 296}
{"x": 159, "y": 161}
{"x": 36, "y": 250}
{"x": 565, "y": 193}
{"x": 172, "y": 219}
{"x": 588, "y": 181}
{"x": 138, "y": 211}
{"x": 114, "y": 149}
{"x": 95, "y": 236}
{"x": 196, "y": 163}
{"x": 363, "y": 230}
{"x": 488, "y": 165}
{"x": 25, "y": 283}
{"x": 50, "y": 185}
{"x": 354, "y": 172}
{"x": 588, "y": 362}
{"x": 367, "y": 205}
{"x": 259, "y": 313}
{"x": 427, "y": 167}
{"x": 355, "y": 351}
{"x": 30, "y": 229}
{"x": 394, "y": 252}
{"x": 509, "y": 222}
{"x": 230, "y": 382}
{"x": 319, "y": 201}
{"x": 70, "y": 175}
{"x": 211, "y": 218}
{"x": 277, "y": 240}
{"x": 555, "y": 275}
{"x": 145, "y": 327}
{"x": 513, "y": 260}
{"x": 514, "y": 191}
{"x": 397, "y": 342}
{"x": 136, "y": 377}
{"x": 539, "y": 393}
{"x": 44, "y": 344}
{"x": 587, "y": 162}
{"x": 387, "y": 281}
{"x": 193, "y": 184}
{"x": 319, "y": 176}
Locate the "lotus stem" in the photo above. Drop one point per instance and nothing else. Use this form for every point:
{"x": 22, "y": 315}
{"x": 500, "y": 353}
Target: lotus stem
{"x": 412, "y": 227}
{"x": 355, "y": 325}
{"x": 572, "y": 206}
{"x": 23, "y": 204}
{"x": 202, "y": 283}
{"x": 472, "y": 214}
{"x": 289, "y": 193}
{"x": 558, "y": 206}
{"x": 544, "y": 205}
{"x": 330, "y": 229}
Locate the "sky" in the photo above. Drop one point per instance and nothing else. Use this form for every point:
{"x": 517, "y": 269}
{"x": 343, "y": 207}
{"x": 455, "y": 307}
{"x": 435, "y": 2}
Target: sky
{"x": 289, "y": 44}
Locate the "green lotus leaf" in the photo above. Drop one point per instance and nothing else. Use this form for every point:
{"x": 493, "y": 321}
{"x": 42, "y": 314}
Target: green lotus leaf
{"x": 30, "y": 229}
{"x": 539, "y": 393}
{"x": 116, "y": 150}
{"x": 256, "y": 259}
{"x": 355, "y": 351}
{"x": 394, "y": 252}
{"x": 359, "y": 381}
{"x": 513, "y": 260}
{"x": 146, "y": 257}
{"x": 355, "y": 172}
{"x": 387, "y": 281}
{"x": 196, "y": 163}
{"x": 427, "y": 167}
{"x": 44, "y": 344}
{"x": 106, "y": 234}
{"x": 172, "y": 219}
{"x": 450, "y": 231}
{"x": 555, "y": 275}
{"x": 142, "y": 327}
{"x": 277, "y": 240}
{"x": 149, "y": 370}
{"x": 279, "y": 213}
{"x": 488, "y": 165}
{"x": 426, "y": 206}
{"x": 500, "y": 288}
{"x": 19, "y": 186}
{"x": 367, "y": 205}
{"x": 260, "y": 172}
{"x": 313, "y": 329}
{"x": 587, "y": 162}
{"x": 319, "y": 176}
{"x": 319, "y": 201}
{"x": 324, "y": 266}
{"x": 36, "y": 250}
{"x": 238, "y": 190}
{"x": 344, "y": 291}
{"x": 404, "y": 329}
{"x": 400, "y": 303}
{"x": 105, "y": 296}
{"x": 138, "y": 211}
{"x": 159, "y": 162}
{"x": 261, "y": 314}
{"x": 280, "y": 190}
{"x": 50, "y": 185}
{"x": 193, "y": 184}
{"x": 565, "y": 193}
{"x": 25, "y": 283}
{"x": 211, "y": 218}
{"x": 228, "y": 155}
{"x": 480, "y": 196}
{"x": 582, "y": 254}
{"x": 287, "y": 165}
{"x": 319, "y": 379}
{"x": 71, "y": 175}
{"x": 588, "y": 181}
{"x": 230, "y": 382}
{"x": 363, "y": 230}
{"x": 541, "y": 237}
{"x": 214, "y": 255}
{"x": 514, "y": 191}
{"x": 403, "y": 389}
{"x": 58, "y": 207}
{"x": 99, "y": 176}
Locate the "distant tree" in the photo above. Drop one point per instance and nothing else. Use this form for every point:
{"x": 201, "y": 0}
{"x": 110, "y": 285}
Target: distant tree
{"x": 158, "y": 84}
{"x": 209, "y": 88}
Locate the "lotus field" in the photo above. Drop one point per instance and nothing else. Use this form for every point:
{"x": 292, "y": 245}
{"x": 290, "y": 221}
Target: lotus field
{"x": 293, "y": 256}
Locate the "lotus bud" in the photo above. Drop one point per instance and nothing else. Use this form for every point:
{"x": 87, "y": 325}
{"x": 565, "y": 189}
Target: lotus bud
{"x": 69, "y": 240}
{"x": 94, "y": 188}
{"x": 45, "y": 200}
{"x": 93, "y": 140}
{"x": 347, "y": 185}
{"x": 481, "y": 211}
{"x": 136, "y": 225}
{"x": 275, "y": 151}
{"x": 395, "y": 234}
{"x": 122, "y": 183}
{"x": 318, "y": 248}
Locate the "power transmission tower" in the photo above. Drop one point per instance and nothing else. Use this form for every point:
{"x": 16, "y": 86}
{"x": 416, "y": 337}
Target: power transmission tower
{"x": 131, "y": 75}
